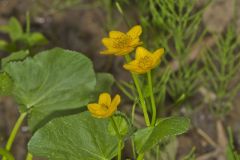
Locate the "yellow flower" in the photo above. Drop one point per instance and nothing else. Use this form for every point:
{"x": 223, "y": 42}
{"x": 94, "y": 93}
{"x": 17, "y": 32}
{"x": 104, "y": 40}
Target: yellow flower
{"x": 120, "y": 43}
{"x": 144, "y": 60}
{"x": 105, "y": 106}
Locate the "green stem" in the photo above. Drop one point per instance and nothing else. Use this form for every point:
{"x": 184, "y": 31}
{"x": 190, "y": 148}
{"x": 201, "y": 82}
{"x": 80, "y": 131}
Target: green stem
{"x": 141, "y": 98}
{"x": 153, "y": 104}
{"x": 133, "y": 112}
{"x": 119, "y": 8}
{"x": 157, "y": 152}
{"x": 140, "y": 156}
{"x": 120, "y": 149}
{"x": 28, "y": 22}
{"x": 133, "y": 148}
{"x": 6, "y": 154}
{"x": 120, "y": 142}
{"x": 29, "y": 156}
{"x": 14, "y": 132}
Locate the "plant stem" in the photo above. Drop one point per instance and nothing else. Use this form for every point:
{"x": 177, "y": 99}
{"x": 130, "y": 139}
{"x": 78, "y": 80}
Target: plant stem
{"x": 133, "y": 148}
{"x": 29, "y": 156}
{"x": 153, "y": 104}
{"x": 28, "y": 22}
{"x": 119, "y": 8}
{"x": 142, "y": 101}
{"x": 119, "y": 149}
{"x": 140, "y": 156}
{"x": 6, "y": 154}
{"x": 120, "y": 142}
{"x": 133, "y": 112}
{"x": 14, "y": 132}
{"x": 157, "y": 152}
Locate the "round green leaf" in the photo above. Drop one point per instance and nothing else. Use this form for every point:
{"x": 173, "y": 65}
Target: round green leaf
{"x": 53, "y": 80}
{"x": 122, "y": 126}
{"x": 147, "y": 138}
{"x": 75, "y": 137}
{"x": 15, "y": 56}
{"x": 6, "y": 84}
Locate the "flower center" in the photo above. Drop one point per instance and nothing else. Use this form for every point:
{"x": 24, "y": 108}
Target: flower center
{"x": 104, "y": 106}
{"x": 122, "y": 42}
{"x": 145, "y": 62}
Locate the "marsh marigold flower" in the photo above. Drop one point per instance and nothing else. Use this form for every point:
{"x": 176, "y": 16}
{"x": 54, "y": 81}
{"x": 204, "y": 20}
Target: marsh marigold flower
{"x": 144, "y": 60}
{"x": 120, "y": 43}
{"x": 105, "y": 106}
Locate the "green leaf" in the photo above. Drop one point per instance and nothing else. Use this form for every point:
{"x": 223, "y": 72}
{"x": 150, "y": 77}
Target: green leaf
{"x": 147, "y": 138}
{"x": 33, "y": 39}
{"x": 53, "y": 80}
{"x": 6, "y": 154}
{"x": 7, "y": 47}
{"x": 74, "y": 137}
{"x": 104, "y": 84}
{"x": 6, "y": 84}
{"x": 37, "y": 39}
{"x": 3, "y": 45}
{"x": 122, "y": 126}
{"x": 13, "y": 28}
{"x": 15, "y": 56}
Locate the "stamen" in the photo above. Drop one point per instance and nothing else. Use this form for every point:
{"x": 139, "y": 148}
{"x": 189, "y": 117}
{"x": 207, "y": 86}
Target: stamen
{"x": 104, "y": 106}
{"x": 145, "y": 62}
{"x": 122, "y": 42}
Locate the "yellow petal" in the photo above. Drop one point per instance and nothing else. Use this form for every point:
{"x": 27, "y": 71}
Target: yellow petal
{"x": 108, "y": 52}
{"x": 157, "y": 55}
{"x": 97, "y": 110}
{"x": 135, "y": 31}
{"x": 93, "y": 107}
{"x": 141, "y": 52}
{"x": 124, "y": 51}
{"x": 108, "y": 42}
{"x": 116, "y": 34}
{"x": 133, "y": 67}
{"x": 105, "y": 99}
{"x": 136, "y": 42}
{"x": 115, "y": 102}
{"x": 100, "y": 113}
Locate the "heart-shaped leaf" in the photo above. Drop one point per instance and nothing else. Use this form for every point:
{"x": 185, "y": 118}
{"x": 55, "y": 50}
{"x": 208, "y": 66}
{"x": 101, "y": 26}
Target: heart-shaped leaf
{"x": 53, "y": 80}
{"x": 74, "y": 137}
{"x": 15, "y": 56}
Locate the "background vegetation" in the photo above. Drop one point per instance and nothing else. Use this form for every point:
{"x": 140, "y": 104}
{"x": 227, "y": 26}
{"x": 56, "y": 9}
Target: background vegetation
{"x": 198, "y": 78}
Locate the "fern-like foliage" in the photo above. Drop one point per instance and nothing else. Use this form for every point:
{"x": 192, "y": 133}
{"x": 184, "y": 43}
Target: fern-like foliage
{"x": 176, "y": 26}
{"x": 222, "y": 64}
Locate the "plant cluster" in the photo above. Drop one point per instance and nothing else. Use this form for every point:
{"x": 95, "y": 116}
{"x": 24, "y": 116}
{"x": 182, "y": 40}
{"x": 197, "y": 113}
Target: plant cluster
{"x": 57, "y": 91}
{"x": 70, "y": 109}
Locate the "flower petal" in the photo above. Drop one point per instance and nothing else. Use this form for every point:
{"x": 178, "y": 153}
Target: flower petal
{"x": 115, "y": 102}
{"x": 108, "y": 42}
{"x": 124, "y": 51}
{"x": 105, "y": 99}
{"x": 141, "y": 52}
{"x": 133, "y": 67}
{"x": 97, "y": 110}
{"x": 101, "y": 114}
{"x": 93, "y": 107}
{"x": 157, "y": 55}
{"x": 136, "y": 42}
{"x": 135, "y": 31}
{"x": 108, "y": 51}
{"x": 116, "y": 34}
